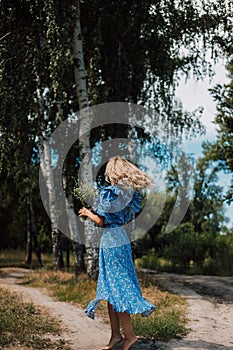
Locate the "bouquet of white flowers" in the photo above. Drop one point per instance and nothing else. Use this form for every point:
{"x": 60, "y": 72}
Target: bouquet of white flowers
{"x": 85, "y": 193}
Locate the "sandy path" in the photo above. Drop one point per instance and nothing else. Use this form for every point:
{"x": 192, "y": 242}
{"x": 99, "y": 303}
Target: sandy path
{"x": 210, "y": 315}
{"x": 210, "y": 310}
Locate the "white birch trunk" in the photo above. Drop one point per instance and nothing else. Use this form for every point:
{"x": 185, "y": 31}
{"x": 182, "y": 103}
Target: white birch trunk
{"x": 78, "y": 249}
{"x": 46, "y": 168}
{"x": 49, "y": 178}
{"x": 132, "y": 151}
{"x": 85, "y": 149}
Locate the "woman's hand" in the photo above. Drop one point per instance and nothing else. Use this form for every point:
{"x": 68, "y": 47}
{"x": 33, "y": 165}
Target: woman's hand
{"x": 84, "y": 212}
{"x": 94, "y": 217}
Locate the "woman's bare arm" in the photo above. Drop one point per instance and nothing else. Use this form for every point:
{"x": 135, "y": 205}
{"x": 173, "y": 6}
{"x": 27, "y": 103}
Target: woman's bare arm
{"x": 94, "y": 217}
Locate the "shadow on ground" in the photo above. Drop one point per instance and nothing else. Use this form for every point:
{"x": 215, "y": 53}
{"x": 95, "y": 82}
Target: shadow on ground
{"x": 143, "y": 344}
{"x": 215, "y": 289}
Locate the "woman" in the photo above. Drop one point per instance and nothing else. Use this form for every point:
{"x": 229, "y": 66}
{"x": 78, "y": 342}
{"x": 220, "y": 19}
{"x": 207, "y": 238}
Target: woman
{"x": 117, "y": 280}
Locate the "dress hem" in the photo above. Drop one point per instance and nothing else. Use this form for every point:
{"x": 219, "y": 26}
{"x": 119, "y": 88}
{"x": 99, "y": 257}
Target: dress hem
{"x": 91, "y": 308}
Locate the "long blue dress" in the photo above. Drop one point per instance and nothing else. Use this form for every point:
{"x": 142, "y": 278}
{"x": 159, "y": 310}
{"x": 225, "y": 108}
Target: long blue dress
{"x": 117, "y": 279}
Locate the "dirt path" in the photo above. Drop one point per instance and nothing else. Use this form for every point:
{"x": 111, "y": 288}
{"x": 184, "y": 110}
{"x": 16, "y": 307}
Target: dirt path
{"x": 210, "y": 312}
{"x": 210, "y": 302}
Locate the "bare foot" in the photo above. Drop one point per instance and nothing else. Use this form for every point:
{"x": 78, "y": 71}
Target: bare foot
{"x": 113, "y": 341}
{"x": 129, "y": 342}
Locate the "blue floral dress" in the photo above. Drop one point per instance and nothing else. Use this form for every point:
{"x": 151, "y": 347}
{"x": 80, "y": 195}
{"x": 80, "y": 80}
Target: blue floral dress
{"x": 117, "y": 279}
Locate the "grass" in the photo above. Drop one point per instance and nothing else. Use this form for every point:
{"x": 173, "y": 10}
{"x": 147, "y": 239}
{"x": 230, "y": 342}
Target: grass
{"x": 168, "y": 321}
{"x": 22, "y": 325}
{"x": 16, "y": 258}
{"x": 164, "y": 265}
{"x": 12, "y": 258}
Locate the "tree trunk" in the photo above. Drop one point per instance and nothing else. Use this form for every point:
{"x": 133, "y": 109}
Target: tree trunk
{"x": 47, "y": 171}
{"x": 85, "y": 149}
{"x": 78, "y": 249}
{"x": 133, "y": 156}
{"x": 35, "y": 234}
{"x": 28, "y": 259}
{"x": 32, "y": 235}
{"x": 58, "y": 262}
{"x": 92, "y": 250}
{"x": 67, "y": 253}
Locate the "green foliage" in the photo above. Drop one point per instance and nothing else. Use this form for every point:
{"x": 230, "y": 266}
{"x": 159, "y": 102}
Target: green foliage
{"x": 220, "y": 263}
{"x": 194, "y": 244}
{"x": 220, "y": 152}
{"x": 146, "y": 51}
{"x": 12, "y": 217}
{"x": 149, "y": 261}
{"x": 181, "y": 245}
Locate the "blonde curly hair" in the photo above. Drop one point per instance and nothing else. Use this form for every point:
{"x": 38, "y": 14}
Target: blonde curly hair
{"x": 120, "y": 171}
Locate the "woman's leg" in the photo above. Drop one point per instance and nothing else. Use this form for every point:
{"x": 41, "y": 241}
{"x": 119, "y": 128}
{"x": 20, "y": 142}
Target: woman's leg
{"x": 129, "y": 336}
{"x": 116, "y": 336}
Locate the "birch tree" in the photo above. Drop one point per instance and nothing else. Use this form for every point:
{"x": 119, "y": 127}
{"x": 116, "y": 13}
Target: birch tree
{"x": 84, "y": 139}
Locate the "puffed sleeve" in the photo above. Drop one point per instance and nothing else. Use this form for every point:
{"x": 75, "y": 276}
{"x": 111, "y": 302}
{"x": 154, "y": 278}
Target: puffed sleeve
{"x": 102, "y": 206}
{"x": 117, "y": 205}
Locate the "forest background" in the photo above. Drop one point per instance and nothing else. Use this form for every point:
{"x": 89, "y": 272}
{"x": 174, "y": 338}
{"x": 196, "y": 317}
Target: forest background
{"x": 58, "y": 58}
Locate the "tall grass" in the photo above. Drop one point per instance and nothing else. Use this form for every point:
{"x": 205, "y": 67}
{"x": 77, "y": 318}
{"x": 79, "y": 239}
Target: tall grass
{"x": 16, "y": 258}
{"x": 12, "y": 258}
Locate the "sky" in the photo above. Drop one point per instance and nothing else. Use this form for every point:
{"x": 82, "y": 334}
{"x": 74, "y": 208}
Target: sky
{"x": 194, "y": 94}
